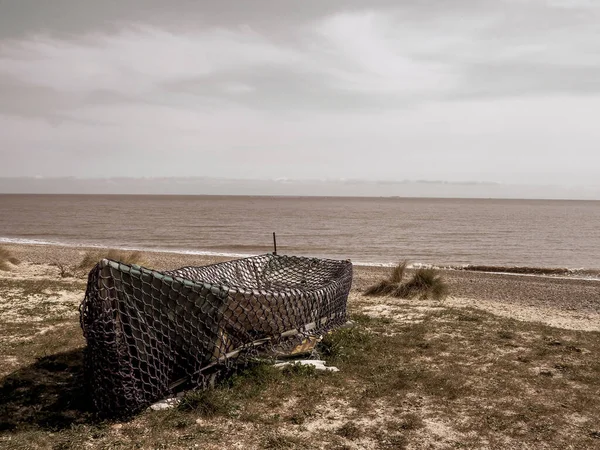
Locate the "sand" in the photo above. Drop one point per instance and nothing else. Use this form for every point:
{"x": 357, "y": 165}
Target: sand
{"x": 561, "y": 302}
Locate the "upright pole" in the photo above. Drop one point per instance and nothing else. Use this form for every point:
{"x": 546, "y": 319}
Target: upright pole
{"x": 274, "y": 244}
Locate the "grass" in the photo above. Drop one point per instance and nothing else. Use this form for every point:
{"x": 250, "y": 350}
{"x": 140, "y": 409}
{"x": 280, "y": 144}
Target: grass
{"x": 425, "y": 283}
{"x": 391, "y": 387}
{"x": 7, "y": 259}
{"x": 22, "y": 289}
{"x": 27, "y": 305}
{"x": 455, "y": 378}
{"x": 208, "y": 403}
{"x": 349, "y": 430}
{"x": 230, "y": 395}
{"x": 47, "y": 394}
{"x": 92, "y": 257}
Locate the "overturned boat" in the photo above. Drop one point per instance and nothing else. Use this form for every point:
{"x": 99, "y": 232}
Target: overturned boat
{"x": 149, "y": 332}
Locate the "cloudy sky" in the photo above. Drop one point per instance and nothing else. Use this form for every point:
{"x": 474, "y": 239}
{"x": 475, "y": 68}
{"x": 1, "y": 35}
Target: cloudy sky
{"x": 503, "y": 91}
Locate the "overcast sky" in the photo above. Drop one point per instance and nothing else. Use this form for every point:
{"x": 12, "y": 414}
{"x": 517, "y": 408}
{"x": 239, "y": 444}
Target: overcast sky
{"x": 503, "y": 91}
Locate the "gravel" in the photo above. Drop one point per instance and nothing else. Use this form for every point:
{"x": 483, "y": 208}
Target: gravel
{"x": 564, "y": 294}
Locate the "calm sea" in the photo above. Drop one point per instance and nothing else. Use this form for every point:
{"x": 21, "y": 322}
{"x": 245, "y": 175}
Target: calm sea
{"x": 538, "y": 233}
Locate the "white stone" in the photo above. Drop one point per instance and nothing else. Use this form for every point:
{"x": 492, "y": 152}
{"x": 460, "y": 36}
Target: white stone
{"x": 165, "y": 403}
{"x": 316, "y": 363}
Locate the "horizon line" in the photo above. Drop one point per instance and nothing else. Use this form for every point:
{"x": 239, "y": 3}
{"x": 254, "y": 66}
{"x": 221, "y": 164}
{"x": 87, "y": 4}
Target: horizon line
{"x": 71, "y": 194}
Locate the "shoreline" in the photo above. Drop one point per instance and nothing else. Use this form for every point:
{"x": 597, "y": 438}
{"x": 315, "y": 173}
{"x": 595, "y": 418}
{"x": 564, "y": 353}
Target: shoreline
{"x": 566, "y": 273}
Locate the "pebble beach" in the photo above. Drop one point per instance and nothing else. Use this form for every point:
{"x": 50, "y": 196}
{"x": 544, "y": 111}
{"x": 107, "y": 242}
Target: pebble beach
{"x": 570, "y": 303}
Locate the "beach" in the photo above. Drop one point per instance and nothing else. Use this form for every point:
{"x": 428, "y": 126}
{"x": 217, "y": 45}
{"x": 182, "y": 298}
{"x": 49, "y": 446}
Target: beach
{"x": 531, "y": 336}
{"x": 571, "y": 303}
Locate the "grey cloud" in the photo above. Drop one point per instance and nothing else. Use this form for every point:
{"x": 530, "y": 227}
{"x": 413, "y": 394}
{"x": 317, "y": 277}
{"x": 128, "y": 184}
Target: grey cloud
{"x": 527, "y": 79}
{"x": 306, "y": 85}
{"x": 476, "y": 45}
{"x": 21, "y": 99}
{"x": 41, "y": 102}
{"x": 71, "y": 17}
{"x": 276, "y": 88}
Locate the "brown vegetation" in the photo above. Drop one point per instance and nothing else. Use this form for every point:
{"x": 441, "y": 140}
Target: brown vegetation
{"x": 425, "y": 283}
{"x": 92, "y": 257}
{"x": 6, "y": 259}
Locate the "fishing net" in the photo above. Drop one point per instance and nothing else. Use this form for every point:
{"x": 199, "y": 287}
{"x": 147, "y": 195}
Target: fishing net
{"x": 150, "y": 332}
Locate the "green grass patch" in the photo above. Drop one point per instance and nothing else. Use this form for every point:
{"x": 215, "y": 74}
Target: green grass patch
{"x": 208, "y": 403}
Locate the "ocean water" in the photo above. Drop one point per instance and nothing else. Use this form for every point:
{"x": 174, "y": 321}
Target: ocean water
{"x": 536, "y": 233}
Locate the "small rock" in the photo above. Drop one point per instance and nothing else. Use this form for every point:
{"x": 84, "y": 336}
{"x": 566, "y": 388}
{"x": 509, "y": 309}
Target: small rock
{"x": 316, "y": 363}
{"x": 166, "y": 403}
{"x": 117, "y": 426}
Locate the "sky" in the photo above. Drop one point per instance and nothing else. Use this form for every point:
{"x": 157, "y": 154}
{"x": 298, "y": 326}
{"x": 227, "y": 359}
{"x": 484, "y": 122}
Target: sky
{"x": 475, "y": 91}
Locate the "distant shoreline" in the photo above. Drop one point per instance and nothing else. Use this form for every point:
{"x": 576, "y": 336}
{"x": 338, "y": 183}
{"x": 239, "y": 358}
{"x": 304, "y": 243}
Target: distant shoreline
{"x": 300, "y": 196}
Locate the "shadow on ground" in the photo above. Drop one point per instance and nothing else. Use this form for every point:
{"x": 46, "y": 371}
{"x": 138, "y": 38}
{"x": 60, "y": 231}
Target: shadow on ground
{"x": 49, "y": 394}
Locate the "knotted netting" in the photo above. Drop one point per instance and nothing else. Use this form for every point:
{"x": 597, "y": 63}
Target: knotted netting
{"x": 148, "y": 332}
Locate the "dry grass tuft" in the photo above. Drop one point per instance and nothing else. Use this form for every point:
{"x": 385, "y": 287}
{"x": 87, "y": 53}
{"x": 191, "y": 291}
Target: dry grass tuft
{"x": 7, "y": 258}
{"x": 349, "y": 430}
{"x": 92, "y": 257}
{"x": 64, "y": 270}
{"x": 424, "y": 284}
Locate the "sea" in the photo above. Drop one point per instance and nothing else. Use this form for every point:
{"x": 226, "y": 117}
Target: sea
{"x": 378, "y": 231}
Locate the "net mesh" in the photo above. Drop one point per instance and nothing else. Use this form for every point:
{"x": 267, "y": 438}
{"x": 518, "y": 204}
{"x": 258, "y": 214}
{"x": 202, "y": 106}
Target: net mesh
{"x": 149, "y": 332}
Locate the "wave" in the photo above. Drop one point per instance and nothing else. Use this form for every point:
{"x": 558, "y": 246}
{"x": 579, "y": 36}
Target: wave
{"x": 6, "y": 240}
{"x": 554, "y": 272}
